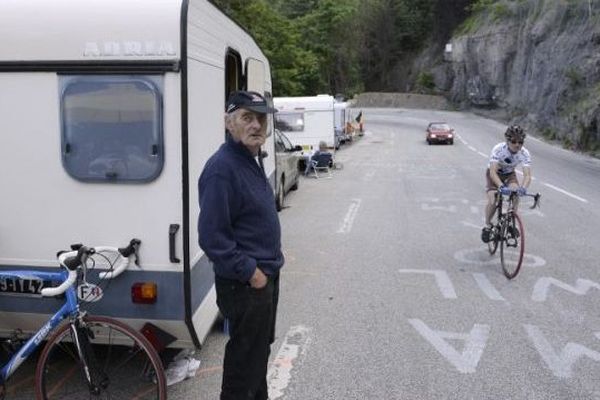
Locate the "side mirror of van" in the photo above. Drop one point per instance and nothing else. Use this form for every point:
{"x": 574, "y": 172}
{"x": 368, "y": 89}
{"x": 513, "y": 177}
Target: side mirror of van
{"x": 297, "y": 148}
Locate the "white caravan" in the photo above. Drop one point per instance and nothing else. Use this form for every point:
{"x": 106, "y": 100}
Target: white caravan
{"x": 109, "y": 111}
{"x": 306, "y": 120}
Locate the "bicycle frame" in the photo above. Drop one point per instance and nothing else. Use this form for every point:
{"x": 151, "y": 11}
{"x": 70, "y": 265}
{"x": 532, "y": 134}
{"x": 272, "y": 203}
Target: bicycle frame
{"x": 69, "y": 308}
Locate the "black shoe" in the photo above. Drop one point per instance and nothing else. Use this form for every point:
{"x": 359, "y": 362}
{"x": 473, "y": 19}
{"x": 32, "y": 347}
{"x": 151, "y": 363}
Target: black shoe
{"x": 513, "y": 232}
{"x": 486, "y": 234}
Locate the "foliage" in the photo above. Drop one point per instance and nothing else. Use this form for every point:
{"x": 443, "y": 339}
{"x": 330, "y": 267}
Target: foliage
{"x": 339, "y": 46}
{"x": 574, "y": 77}
{"x": 500, "y": 11}
{"x": 425, "y": 81}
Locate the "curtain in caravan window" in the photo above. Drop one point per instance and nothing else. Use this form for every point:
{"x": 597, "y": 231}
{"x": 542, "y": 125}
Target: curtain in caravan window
{"x": 255, "y": 76}
{"x": 112, "y": 127}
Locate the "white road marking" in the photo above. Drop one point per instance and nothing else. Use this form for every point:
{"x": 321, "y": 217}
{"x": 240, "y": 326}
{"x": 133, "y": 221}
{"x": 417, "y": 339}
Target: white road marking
{"x": 559, "y": 364}
{"x": 472, "y": 148}
{"x": 295, "y": 344}
{"x": 483, "y": 154}
{"x": 481, "y": 256}
{"x": 470, "y": 224}
{"x": 441, "y": 279}
{"x": 427, "y": 207}
{"x": 542, "y": 286}
{"x": 487, "y": 288}
{"x": 368, "y": 176}
{"x": 346, "y": 226}
{"x": 465, "y": 362}
{"x": 565, "y": 192}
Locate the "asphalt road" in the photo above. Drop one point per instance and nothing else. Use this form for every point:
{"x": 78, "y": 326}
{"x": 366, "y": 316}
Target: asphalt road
{"x": 388, "y": 292}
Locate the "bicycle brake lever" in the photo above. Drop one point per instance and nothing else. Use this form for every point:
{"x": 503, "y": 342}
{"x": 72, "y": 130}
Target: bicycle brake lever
{"x": 536, "y": 201}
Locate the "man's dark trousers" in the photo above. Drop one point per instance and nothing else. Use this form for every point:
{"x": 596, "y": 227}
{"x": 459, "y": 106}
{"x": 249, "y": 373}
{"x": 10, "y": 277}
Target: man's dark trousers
{"x": 251, "y": 315}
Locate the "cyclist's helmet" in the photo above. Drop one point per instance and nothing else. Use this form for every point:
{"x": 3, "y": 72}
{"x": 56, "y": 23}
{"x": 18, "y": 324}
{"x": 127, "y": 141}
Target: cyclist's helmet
{"x": 515, "y": 132}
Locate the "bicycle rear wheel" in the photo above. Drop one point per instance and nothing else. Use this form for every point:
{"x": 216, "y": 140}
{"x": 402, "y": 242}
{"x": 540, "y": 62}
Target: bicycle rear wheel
{"x": 512, "y": 234}
{"x": 123, "y": 362}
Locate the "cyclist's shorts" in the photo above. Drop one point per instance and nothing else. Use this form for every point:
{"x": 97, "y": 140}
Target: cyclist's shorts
{"x": 506, "y": 179}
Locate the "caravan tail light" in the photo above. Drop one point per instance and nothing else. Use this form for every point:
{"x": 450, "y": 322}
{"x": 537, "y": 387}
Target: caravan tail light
{"x": 144, "y": 292}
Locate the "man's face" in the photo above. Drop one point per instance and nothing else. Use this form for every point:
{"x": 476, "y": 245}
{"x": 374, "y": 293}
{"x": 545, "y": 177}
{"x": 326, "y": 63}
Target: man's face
{"x": 247, "y": 127}
{"x": 514, "y": 145}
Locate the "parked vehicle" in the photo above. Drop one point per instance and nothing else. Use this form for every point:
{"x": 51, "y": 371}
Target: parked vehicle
{"x": 109, "y": 124}
{"x": 287, "y": 170}
{"x": 341, "y": 118}
{"x": 439, "y": 132}
{"x": 306, "y": 120}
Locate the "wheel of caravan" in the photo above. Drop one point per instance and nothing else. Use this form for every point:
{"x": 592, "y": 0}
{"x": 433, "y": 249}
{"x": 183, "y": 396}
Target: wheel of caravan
{"x": 296, "y": 184}
{"x": 514, "y": 237}
{"x": 121, "y": 361}
{"x": 280, "y": 195}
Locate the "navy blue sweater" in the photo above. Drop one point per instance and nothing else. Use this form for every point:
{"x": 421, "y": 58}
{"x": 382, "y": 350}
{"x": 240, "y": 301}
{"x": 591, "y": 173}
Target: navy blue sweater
{"x": 238, "y": 227}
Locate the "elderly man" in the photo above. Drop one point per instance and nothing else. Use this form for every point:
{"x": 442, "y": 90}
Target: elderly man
{"x": 239, "y": 231}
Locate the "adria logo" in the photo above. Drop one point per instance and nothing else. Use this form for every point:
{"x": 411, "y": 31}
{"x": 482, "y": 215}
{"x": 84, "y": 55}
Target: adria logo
{"x": 128, "y": 49}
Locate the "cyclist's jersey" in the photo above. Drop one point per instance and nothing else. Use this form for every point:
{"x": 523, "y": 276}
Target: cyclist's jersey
{"x": 506, "y": 160}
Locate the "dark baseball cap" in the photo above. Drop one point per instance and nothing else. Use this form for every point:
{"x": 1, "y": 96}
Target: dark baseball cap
{"x": 252, "y": 101}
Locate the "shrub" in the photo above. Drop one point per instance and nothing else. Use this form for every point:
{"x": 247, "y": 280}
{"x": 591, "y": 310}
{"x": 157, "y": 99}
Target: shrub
{"x": 425, "y": 81}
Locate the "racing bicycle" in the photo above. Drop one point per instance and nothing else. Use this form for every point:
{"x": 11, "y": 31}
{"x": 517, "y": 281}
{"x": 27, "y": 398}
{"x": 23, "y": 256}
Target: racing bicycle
{"x": 508, "y": 231}
{"x": 89, "y": 356}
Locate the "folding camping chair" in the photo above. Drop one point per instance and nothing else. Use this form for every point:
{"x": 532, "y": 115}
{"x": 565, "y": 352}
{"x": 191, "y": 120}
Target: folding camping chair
{"x": 322, "y": 162}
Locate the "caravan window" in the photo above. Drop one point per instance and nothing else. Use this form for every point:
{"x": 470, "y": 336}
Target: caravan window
{"x": 289, "y": 122}
{"x": 112, "y": 127}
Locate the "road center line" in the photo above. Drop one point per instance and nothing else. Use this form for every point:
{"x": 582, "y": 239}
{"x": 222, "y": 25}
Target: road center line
{"x": 346, "y": 226}
{"x": 565, "y": 192}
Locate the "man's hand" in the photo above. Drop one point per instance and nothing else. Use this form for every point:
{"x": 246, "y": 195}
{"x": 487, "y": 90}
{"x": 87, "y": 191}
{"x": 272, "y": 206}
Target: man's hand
{"x": 258, "y": 280}
{"x": 505, "y": 190}
{"x": 521, "y": 190}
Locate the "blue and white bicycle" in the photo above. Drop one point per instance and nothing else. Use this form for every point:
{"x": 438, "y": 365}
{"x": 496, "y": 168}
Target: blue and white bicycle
{"x": 88, "y": 357}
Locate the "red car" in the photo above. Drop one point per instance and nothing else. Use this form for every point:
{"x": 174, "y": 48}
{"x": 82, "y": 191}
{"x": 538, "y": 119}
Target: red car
{"x": 439, "y": 132}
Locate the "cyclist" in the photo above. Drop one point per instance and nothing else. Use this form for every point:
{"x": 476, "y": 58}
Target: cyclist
{"x": 505, "y": 157}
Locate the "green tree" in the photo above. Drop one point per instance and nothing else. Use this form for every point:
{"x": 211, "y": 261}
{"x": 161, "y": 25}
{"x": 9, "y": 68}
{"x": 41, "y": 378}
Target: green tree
{"x": 329, "y": 32}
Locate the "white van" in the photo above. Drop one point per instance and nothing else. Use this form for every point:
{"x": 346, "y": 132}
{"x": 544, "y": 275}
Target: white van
{"x": 109, "y": 111}
{"x": 306, "y": 120}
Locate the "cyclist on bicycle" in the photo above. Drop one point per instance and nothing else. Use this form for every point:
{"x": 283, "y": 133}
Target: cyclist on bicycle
{"x": 505, "y": 157}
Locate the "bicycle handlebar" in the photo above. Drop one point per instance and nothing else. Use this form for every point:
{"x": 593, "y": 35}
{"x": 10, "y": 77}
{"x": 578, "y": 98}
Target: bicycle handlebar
{"x": 72, "y": 260}
{"x": 507, "y": 192}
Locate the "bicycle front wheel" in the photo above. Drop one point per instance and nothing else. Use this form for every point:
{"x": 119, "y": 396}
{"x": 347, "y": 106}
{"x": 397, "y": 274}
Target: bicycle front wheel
{"x": 121, "y": 361}
{"x": 512, "y": 235}
{"x": 493, "y": 242}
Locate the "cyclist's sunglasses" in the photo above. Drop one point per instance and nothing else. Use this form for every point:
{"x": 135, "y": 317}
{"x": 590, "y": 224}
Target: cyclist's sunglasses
{"x": 516, "y": 141}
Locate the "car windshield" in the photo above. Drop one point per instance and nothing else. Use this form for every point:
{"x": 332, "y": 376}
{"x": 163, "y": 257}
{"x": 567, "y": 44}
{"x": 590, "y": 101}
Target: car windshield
{"x": 440, "y": 127}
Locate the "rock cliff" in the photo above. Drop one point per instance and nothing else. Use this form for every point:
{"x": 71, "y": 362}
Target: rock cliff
{"x": 536, "y": 60}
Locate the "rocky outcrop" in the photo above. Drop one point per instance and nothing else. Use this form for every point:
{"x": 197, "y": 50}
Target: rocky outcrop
{"x": 538, "y": 60}
{"x": 401, "y": 100}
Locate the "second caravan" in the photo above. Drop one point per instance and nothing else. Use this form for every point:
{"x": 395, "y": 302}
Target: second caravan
{"x": 306, "y": 120}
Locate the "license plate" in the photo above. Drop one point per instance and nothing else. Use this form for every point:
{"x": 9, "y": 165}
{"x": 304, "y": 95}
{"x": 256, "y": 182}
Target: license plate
{"x": 22, "y": 287}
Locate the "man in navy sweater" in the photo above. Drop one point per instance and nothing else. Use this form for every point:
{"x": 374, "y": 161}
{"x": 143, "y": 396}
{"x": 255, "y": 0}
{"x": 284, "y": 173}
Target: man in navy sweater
{"x": 240, "y": 233}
